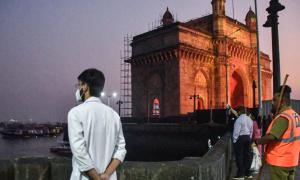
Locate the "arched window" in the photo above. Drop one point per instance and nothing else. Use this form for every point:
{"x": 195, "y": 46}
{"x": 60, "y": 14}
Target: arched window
{"x": 200, "y": 83}
{"x": 155, "y": 107}
{"x": 200, "y": 103}
{"x": 237, "y": 90}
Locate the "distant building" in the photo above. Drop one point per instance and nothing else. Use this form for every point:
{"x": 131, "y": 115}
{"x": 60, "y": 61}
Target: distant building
{"x": 177, "y": 60}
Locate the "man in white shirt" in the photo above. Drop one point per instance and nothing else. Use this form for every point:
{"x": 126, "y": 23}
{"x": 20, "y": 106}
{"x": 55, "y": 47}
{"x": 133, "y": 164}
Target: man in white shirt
{"x": 242, "y": 133}
{"x": 95, "y": 132}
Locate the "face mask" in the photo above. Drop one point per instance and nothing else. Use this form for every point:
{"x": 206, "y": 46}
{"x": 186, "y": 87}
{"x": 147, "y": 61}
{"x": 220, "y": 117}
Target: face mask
{"x": 78, "y": 96}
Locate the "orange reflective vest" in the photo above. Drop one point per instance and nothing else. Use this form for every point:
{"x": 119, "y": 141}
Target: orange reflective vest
{"x": 284, "y": 152}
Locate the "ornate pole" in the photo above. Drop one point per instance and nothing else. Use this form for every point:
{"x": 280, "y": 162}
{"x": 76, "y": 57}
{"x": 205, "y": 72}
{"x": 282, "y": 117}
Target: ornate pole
{"x": 272, "y": 22}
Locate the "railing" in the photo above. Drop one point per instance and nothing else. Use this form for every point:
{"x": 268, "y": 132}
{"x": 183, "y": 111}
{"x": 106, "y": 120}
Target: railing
{"x": 214, "y": 165}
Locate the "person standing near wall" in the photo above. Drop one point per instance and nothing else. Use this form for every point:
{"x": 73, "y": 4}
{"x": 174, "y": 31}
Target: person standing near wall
{"x": 95, "y": 132}
{"x": 256, "y": 130}
{"x": 242, "y": 133}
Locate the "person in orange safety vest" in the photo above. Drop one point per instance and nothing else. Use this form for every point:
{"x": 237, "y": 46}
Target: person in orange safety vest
{"x": 282, "y": 138}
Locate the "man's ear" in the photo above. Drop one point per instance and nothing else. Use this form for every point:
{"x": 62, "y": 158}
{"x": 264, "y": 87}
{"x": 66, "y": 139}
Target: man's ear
{"x": 85, "y": 88}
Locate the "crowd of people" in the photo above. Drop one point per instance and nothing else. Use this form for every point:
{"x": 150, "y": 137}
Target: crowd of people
{"x": 281, "y": 139}
{"x": 246, "y": 128}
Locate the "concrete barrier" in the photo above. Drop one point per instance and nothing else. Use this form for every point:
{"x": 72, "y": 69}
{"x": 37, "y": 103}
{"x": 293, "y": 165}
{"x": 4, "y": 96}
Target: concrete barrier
{"x": 214, "y": 165}
{"x": 7, "y": 170}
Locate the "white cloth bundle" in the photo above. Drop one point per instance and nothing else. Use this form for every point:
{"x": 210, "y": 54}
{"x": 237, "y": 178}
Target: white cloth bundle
{"x": 256, "y": 161}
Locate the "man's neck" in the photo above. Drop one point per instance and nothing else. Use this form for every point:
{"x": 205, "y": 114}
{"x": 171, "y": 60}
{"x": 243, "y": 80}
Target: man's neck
{"x": 284, "y": 107}
{"x": 87, "y": 96}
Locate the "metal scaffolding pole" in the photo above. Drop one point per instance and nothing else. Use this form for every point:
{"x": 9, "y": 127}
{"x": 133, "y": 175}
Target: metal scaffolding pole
{"x": 125, "y": 104}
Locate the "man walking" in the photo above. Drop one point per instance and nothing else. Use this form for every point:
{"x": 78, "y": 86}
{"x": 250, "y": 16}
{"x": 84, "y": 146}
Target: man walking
{"x": 95, "y": 132}
{"x": 242, "y": 133}
{"x": 282, "y": 138}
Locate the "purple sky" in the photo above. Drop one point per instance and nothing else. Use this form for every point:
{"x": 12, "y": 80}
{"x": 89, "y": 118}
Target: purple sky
{"x": 44, "y": 45}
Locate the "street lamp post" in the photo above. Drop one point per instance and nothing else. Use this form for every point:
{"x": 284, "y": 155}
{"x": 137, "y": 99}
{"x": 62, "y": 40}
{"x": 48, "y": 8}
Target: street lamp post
{"x": 119, "y": 104}
{"x": 113, "y": 95}
{"x": 258, "y": 62}
{"x": 253, "y": 91}
{"x": 272, "y": 22}
{"x": 226, "y": 74}
{"x": 194, "y": 97}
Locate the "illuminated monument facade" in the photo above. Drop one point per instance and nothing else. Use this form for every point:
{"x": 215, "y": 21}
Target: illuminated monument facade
{"x": 213, "y": 57}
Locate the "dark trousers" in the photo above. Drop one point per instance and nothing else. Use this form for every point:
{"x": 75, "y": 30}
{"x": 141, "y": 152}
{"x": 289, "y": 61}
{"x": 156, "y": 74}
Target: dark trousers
{"x": 243, "y": 155}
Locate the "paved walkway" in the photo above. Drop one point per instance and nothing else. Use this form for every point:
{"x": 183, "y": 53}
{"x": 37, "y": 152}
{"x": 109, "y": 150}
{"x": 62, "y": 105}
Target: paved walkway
{"x": 265, "y": 172}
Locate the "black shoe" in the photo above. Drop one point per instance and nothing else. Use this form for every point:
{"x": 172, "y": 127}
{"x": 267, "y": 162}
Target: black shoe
{"x": 238, "y": 177}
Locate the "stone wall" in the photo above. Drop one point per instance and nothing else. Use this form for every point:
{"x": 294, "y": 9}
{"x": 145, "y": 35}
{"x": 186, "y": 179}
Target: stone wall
{"x": 35, "y": 168}
{"x": 214, "y": 165}
{"x": 152, "y": 80}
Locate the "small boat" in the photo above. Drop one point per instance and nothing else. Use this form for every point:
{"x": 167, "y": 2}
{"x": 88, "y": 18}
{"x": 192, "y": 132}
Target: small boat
{"x": 18, "y": 130}
{"x": 62, "y": 148}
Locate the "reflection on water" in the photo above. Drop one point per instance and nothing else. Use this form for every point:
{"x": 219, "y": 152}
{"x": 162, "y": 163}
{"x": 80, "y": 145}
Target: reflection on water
{"x": 12, "y": 148}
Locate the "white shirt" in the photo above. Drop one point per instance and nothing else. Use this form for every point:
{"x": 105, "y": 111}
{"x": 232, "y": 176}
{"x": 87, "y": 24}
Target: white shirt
{"x": 96, "y": 136}
{"x": 242, "y": 126}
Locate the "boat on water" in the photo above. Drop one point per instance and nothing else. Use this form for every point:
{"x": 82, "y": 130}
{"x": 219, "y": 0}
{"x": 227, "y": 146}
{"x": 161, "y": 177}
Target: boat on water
{"x": 62, "y": 148}
{"x": 19, "y": 130}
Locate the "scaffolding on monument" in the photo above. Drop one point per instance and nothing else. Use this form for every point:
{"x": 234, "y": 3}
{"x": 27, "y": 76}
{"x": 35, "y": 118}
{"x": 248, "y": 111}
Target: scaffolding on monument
{"x": 125, "y": 103}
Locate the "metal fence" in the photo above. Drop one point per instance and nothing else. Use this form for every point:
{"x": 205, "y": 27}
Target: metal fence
{"x": 267, "y": 106}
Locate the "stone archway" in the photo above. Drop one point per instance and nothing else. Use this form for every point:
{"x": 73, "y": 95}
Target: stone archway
{"x": 202, "y": 88}
{"x": 155, "y": 91}
{"x": 237, "y": 90}
{"x": 200, "y": 103}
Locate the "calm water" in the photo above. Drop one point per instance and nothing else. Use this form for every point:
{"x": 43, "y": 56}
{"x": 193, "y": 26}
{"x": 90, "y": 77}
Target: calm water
{"x": 12, "y": 148}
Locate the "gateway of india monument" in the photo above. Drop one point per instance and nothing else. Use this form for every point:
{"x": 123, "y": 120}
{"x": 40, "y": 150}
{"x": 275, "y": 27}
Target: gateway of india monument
{"x": 209, "y": 61}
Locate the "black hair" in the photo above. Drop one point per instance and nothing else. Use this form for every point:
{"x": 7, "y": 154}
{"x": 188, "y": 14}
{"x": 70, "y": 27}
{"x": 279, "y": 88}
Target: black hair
{"x": 286, "y": 93}
{"x": 241, "y": 109}
{"x": 94, "y": 79}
